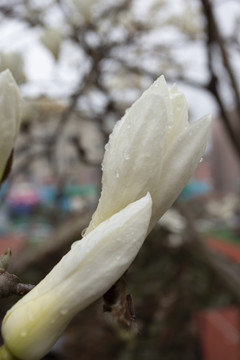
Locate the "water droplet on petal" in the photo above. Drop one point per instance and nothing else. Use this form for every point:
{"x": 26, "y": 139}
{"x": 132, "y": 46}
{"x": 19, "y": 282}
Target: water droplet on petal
{"x": 23, "y": 333}
{"x": 126, "y": 155}
{"x": 107, "y": 147}
{"x": 201, "y": 160}
{"x": 83, "y": 232}
{"x": 118, "y": 257}
{"x": 64, "y": 311}
{"x": 45, "y": 306}
{"x": 87, "y": 249}
{"x": 30, "y": 314}
{"x": 59, "y": 290}
{"x": 74, "y": 244}
{"x": 117, "y": 173}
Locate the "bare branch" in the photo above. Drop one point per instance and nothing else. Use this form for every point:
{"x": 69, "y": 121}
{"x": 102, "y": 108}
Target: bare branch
{"x": 214, "y": 37}
{"x": 10, "y": 285}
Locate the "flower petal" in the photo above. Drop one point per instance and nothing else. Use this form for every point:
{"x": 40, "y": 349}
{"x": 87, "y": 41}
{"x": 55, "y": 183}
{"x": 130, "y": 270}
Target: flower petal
{"x": 9, "y": 116}
{"x": 132, "y": 161}
{"x": 90, "y": 268}
{"x": 159, "y": 87}
{"x": 180, "y": 116}
{"x": 180, "y": 162}
{"x": 140, "y": 149}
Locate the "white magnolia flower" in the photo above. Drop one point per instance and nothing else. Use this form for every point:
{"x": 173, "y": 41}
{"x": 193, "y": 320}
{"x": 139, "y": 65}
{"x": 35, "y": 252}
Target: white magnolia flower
{"x": 52, "y": 38}
{"x": 90, "y": 268}
{"x": 153, "y": 148}
{"x": 15, "y": 63}
{"x": 84, "y": 7}
{"x": 9, "y": 116}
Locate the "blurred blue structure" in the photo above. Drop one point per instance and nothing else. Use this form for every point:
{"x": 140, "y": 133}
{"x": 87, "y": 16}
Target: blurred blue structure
{"x": 194, "y": 189}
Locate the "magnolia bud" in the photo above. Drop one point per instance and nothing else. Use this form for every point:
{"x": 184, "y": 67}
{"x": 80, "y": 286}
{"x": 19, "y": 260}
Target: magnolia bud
{"x": 153, "y": 148}
{"x": 90, "y": 268}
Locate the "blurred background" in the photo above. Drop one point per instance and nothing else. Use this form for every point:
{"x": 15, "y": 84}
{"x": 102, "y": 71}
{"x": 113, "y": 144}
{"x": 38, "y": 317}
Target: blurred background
{"x": 79, "y": 65}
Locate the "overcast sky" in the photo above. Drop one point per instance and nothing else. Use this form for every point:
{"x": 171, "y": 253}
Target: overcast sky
{"x": 45, "y": 77}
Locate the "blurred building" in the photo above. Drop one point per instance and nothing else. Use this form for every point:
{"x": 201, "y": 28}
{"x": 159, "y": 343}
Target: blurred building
{"x": 225, "y": 163}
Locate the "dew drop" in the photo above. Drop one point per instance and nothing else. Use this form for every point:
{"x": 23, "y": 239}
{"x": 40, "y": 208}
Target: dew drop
{"x": 23, "y": 333}
{"x": 59, "y": 290}
{"x": 74, "y": 244}
{"x": 63, "y": 311}
{"x": 87, "y": 249}
{"x": 45, "y": 306}
{"x": 201, "y": 160}
{"x": 30, "y": 314}
{"x": 126, "y": 155}
{"x": 107, "y": 147}
{"x": 127, "y": 111}
{"x": 83, "y": 232}
{"x": 117, "y": 174}
{"x": 118, "y": 257}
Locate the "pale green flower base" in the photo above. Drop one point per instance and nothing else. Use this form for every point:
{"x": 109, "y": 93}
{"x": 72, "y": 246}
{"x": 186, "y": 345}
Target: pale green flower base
{"x": 5, "y": 354}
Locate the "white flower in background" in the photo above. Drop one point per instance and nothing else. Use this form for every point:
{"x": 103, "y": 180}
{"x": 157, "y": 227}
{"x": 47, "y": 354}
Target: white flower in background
{"x": 14, "y": 62}
{"x": 84, "y": 8}
{"x": 224, "y": 208}
{"x": 121, "y": 79}
{"x": 173, "y": 221}
{"x": 91, "y": 267}
{"x": 52, "y": 38}
{"x": 9, "y": 116}
{"x": 153, "y": 148}
{"x": 188, "y": 21}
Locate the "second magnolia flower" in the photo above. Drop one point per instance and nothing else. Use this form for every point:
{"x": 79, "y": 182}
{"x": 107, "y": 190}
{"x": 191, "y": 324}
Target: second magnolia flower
{"x": 9, "y": 116}
{"x": 153, "y": 148}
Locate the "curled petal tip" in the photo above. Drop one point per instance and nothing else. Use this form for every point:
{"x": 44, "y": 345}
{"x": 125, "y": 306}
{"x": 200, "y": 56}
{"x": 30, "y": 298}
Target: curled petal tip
{"x": 6, "y": 76}
{"x": 204, "y": 123}
{"x": 207, "y": 119}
